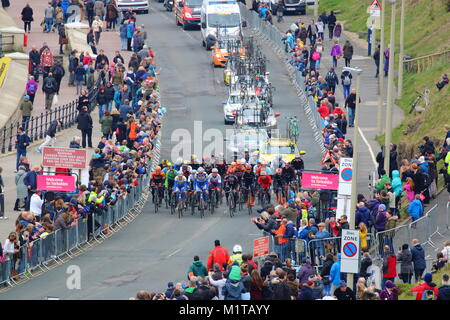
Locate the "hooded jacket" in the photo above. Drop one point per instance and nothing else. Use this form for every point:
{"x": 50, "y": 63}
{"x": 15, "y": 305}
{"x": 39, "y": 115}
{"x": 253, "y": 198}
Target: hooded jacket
{"x": 380, "y": 185}
{"x": 362, "y": 215}
{"x": 51, "y": 131}
{"x": 397, "y": 183}
{"x": 305, "y": 271}
{"x": 232, "y": 290}
{"x": 335, "y": 272}
{"x": 198, "y": 269}
{"x": 420, "y": 289}
{"x": 418, "y": 257}
{"x": 405, "y": 259}
{"x": 444, "y": 293}
{"x": 380, "y": 221}
{"x": 415, "y": 209}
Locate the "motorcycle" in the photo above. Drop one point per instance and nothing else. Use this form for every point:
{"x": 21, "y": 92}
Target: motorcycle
{"x": 168, "y": 4}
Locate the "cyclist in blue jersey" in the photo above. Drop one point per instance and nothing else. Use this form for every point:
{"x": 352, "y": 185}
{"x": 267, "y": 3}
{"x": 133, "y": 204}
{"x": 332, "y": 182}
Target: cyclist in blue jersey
{"x": 180, "y": 186}
{"x": 201, "y": 183}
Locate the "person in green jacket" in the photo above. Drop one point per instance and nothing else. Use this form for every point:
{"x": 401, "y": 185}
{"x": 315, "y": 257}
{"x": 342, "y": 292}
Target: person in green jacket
{"x": 384, "y": 178}
{"x": 106, "y": 123}
{"x": 197, "y": 269}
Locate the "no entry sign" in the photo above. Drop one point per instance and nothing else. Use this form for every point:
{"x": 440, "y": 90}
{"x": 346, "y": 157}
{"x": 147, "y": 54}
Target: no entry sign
{"x": 350, "y": 251}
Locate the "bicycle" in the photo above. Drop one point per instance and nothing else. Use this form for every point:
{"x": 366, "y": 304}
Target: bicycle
{"x": 201, "y": 204}
{"x": 231, "y": 200}
{"x": 292, "y": 131}
{"x": 264, "y": 196}
{"x": 426, "y": 99}
{"x": 247, "y": 194}
{"x": 180, "y": 205}
{"x": 157, "y": 197}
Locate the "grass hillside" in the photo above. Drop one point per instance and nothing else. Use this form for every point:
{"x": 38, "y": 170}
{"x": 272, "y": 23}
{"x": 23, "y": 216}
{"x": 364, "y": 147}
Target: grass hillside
{"x": 426, "y": 32}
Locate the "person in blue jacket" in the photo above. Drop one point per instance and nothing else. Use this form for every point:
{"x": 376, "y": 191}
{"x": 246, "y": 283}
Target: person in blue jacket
{"x": 335, "y": 274}
{"x": 415, "y": 208}
{"x": 289, "y": 233}
{"x": 362, "y": 214}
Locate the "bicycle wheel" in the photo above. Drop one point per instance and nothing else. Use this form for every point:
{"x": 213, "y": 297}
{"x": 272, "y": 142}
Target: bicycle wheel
{"x": 240, "y": 201}
{"x": 212, "y": 200}
{"x": 172, "y": 204}
{"x": 232, "y": 204}
{"x": 192, "y": 204}
{"x": 156, "y": 200}
{"x": 201, "y": 206}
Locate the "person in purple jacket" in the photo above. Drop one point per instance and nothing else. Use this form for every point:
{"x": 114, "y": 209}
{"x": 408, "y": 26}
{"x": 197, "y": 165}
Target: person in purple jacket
{"x": 390, "y": 291}
{"x": 336, "y": 53}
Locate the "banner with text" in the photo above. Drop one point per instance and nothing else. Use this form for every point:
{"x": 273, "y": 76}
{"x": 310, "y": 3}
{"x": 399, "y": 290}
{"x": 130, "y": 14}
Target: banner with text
{"x": 320, "y": 181}
{"x": 55, "y": 183}
{"x": 64, "y": 158}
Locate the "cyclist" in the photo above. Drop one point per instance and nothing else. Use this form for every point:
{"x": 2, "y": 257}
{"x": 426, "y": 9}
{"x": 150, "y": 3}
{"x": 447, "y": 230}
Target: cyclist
{"x": 298, "y": 165}
{"x": 201, "y": 183}
{"x": 221, "y": 165}
{"x": 165, "y": 164}
{"x": 264, "y": 181}
{"x": 186, "y": 171}
{"x": 191, "y": 182}
{"x": 215, "y": 181}
{"x": 290, "y": 178}
{"x": 156, "y": 180}
{"x": 231, "y": 182}
{"x": 180, "y": 186}
{"x": 178, "y": 164}
{"x": 248, "y": 181}
{"x": 194, "y": 162}
{"x": 171, "y": 173}
{"x": 246, "y": 155}
{"x": 278, "y": 183}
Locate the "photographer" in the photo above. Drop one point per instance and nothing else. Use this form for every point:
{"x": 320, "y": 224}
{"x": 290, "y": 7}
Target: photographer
{"x": 266, "y": 222}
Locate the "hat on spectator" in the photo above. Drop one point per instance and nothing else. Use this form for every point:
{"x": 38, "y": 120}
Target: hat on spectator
{"x": 343, "y": 284}
{"x": 170, "y": 284}
{"x": 428, "y": 277}
{"x": 26, "y": 96}
{"x": 389, "y": 284}
{"x": 422, "y": 159}
{"x": 235, "y": 273}
{"x": 382, "y": 207}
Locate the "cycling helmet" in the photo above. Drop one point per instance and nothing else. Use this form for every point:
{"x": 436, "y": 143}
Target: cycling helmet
{"x": 215, "y": 170}
{"x": 179, "y": 161}
{"x": 237, "y": 248}
{"x": 172, "y": 167}
{"x": 200, "y": 170}
{"x": 180, "y": 174}
{"x": 233, "y": 164}
{"x": 158, "y": 168}
{"x": 193, "y": 157}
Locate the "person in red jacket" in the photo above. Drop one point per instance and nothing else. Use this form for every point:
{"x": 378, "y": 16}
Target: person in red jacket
{"x": 323, "y": 110}
{"x": 389, "y": 266}
{"x": 427, "y": 287}
{"x": 217, "y": 255}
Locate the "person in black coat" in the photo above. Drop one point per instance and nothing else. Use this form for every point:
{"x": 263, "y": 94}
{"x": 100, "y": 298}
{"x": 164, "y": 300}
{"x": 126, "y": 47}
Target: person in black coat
{"x": 83, "y": 101}
{"x": 331, "y": 21}
{"x": 27, "y": 17}
{"x": 418, "y": 259}
{"x": 85, "y": 124}
{"x": 444, "y": 290}
{"x": 306, "y": 291}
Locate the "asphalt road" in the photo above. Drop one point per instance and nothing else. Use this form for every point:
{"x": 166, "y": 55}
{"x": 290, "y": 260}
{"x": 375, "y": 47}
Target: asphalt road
{"x": 157, "y": 248}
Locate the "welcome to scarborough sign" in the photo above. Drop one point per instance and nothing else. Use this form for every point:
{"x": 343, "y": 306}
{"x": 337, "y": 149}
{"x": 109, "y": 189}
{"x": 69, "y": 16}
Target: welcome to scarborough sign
{"x": 64, "y": 158}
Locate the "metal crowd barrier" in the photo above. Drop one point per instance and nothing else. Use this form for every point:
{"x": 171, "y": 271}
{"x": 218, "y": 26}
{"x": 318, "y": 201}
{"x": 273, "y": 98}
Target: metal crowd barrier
{"x": 60, "y": 244}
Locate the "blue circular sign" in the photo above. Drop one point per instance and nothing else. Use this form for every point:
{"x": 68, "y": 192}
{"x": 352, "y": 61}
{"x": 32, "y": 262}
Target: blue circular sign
{"x": 347, "y": 174}
{"x": 350, "y": 249}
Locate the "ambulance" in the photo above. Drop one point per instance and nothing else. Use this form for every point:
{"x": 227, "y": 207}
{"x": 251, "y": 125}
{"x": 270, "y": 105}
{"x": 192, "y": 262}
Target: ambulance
{"x": 220, "y": 18}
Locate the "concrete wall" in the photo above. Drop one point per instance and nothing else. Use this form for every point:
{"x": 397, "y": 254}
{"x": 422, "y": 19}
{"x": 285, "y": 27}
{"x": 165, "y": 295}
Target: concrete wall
{"x": 8, "y": 28}
{"x": 77, "y": 33}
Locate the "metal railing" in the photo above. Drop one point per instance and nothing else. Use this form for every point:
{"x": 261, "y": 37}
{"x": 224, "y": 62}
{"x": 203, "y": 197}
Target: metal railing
{"x": 274, "y": 38}
{"x": 420, "y": 64}
{"x": 64, "y": 243}
{"x": 5, "y": 40}
{"x": 37, "y": 126}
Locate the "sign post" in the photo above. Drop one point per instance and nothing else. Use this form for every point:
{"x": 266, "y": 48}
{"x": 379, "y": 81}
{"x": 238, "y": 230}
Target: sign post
{"x": 260, "y": 247}
{"x": 344, "y": 188}
{"x": 350, "y": 251}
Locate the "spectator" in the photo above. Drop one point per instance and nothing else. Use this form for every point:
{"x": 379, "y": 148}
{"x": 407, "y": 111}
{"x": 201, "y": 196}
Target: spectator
{"x": 97, "y": 26}
{"x": 376, "y": 58}
{"x": 48, "y": 17}
{"x": 58, "y": 73}
{"x": 233, "y": 288}
{"x": 348, "y": 53}
{"x": 123, "y": 35}
{"x": 36, "y": 205}
{"x": 350, "y": 103}
{"x": 336, "y": 53}
{"x": 50, "y": 135}
{"x": 22, "y": 142}
{"x": 390, "y": 292}
{"x": 80, "y": 73}
{"x": 85, "y": 124}
{"x": 444, "y": 290}
{"x": 343, "y": 292}
{"x": 21, "y": 189}
{"x": 389, "y": 266}
{"x": 335, "y": 274}
{"x": 331, "y": 21}
{"x": 27, "y": 17}
{"x": 418, "y": 259}
{"x": 197, "y": 269}
{"x": 415, "y": 209}
{"x": 404, "y": 256}
{"x": 441, "y": 84}
{"x": 426, "y": 290}
{"x": 49, "y": 87}
{"x": 99, "y": 9}
{"x": 63, "y": 39}
{"x": 346, "y": 78}
{"x": 446, "y": 251}
{"x": 305, "y": 271}
{"x": 30, "y": 182}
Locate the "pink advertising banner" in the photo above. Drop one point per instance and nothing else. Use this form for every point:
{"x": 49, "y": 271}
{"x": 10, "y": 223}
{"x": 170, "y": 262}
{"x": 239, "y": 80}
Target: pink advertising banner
{"x": 55, "y": 183}
{"x": 320, "y": 181}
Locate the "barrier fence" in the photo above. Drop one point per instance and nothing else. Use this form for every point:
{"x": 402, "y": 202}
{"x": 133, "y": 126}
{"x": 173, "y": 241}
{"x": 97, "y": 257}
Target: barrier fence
{"x": 63, "y": 243}
{"x": 271, "y": 35}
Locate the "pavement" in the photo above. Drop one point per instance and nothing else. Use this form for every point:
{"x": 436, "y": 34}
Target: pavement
{"x": 110, "y": 42}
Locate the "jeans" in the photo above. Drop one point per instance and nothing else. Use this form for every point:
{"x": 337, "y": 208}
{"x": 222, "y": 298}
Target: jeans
{"x": 406, "y": 277}
{"x": 320, "y": 35}
{"x": 317, "y": 64}
{"x": 79, "y": 85}
{"x": 123, "y": 42}
{"x": 27, "y": 25}
{"x": 86, "y": 133}
{"x": 101, "y": 110}
{"x": 20, "y": 152}
{"x": 351, "y": 116}
{"x": 346, "y": 90}
{"x": 334, "y": 61}
{"x": 49, "y": 100}
{"x": 25, "y": 122}
{"x": 327, "y": 289}
{"x": 71, "y": 78}
{"x": 48, "y": 24}
{"x": 312, "y": 40}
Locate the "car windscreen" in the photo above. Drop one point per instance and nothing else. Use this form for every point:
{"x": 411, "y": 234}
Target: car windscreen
{"x": 224, "y": 20}
{"x": 280, "y": 149}
{"x": 194, "y": 3}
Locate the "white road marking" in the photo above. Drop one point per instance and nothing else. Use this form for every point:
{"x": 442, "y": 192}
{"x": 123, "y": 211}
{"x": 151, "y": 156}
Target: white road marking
{"x": 173, "y": 253}
{"x": 370, "y": 148}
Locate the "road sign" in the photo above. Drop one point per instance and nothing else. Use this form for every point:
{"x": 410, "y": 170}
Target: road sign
{"x": 345, "y": 176}
{"x": 343, "y": 207}
{"x": 261, "y": 247}
{"x": 375, "y": 5}
{"x": 64, "y": 158}
{"x": 374, "y": 21}
{"x": 350, "y": 251}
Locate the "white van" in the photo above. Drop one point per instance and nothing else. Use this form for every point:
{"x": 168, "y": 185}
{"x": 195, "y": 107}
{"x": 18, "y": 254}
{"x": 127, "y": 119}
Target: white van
{"x": 221, "y": 16}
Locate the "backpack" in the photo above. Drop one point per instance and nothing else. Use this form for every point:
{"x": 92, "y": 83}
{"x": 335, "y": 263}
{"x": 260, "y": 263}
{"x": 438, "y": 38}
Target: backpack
{"x": 428, "y": 295}
{"x": 48, "y": 85}
{"x": 32, "y": 88}
{"x": 58, "y": 72}
{"x": 316, "y": 56}
{"x": 347, "y": 81}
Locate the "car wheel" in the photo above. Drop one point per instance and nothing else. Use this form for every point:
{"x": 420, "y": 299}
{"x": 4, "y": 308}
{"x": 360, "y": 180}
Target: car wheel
{"x": 203, "y": 43}
{"x": 177, "y": 22}
{"x": 185, "y": 27}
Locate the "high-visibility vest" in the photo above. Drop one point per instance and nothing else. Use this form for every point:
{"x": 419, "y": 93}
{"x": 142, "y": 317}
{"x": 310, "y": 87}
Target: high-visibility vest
{"x": 236, "y": 257}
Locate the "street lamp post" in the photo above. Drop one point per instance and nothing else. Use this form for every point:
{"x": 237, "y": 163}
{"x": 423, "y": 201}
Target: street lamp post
{"x": 354, "y": 195}
{"x": 316, "y": 9}
{"x": 380, "y": 75}
{"x": 390, "y": 93}
{"x": 400, "y": 58}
